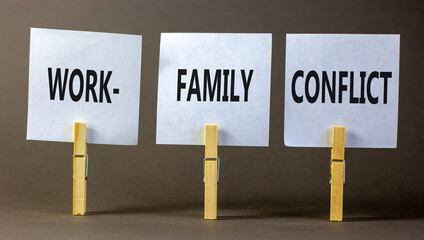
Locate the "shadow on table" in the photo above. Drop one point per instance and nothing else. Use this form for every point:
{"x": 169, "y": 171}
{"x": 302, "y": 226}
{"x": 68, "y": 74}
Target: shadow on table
{"x": 318, "y": 210}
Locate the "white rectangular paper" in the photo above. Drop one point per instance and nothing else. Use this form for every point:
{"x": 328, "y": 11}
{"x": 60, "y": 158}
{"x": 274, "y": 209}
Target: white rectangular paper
{"x": 240, "y": 123}
{"x": 370, "y": 62}
{"x": 111, "y": 110}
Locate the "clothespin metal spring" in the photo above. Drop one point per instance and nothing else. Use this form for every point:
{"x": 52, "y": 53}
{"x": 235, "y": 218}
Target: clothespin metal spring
{"x": 344, "y": 170}
{"x": 217, "y": 174}
{"x": 86, "y": 164}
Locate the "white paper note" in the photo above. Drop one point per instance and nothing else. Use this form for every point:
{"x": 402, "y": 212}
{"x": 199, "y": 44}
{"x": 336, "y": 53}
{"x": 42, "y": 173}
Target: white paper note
{"x": 365, "y": 69}
{"x": 88, "y": 77}
{"x": 240, "y": 63}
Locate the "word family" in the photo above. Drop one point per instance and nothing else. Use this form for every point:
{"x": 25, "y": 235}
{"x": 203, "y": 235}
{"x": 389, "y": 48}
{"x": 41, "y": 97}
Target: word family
{"x": 222, "y": 88}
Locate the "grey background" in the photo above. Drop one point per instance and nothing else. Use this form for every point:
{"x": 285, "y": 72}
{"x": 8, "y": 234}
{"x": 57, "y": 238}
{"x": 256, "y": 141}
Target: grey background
{"x": 156, "y": 191}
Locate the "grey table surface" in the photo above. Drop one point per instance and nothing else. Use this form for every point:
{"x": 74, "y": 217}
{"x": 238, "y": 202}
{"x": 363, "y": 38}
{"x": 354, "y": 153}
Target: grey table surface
{"x": 263, "y": 221}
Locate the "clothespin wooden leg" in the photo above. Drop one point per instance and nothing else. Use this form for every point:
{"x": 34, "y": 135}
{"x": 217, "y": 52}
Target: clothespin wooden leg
{"x": 211, "y": 171}
{"x": 80, "y": 165}
{"x": 337, "y": 174}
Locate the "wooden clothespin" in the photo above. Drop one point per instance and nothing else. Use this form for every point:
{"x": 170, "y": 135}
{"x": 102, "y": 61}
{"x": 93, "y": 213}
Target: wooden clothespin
{"x": 211, "y": 171}
{"x": 337, "y": 174}
{"x": 80, "y": 158}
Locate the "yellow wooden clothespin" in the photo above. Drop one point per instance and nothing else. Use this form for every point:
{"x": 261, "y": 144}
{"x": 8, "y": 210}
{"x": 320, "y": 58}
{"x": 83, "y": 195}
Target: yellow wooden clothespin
{"x": 80, "y": 158}
{"x": 337, "y": 174}
{"x": 211, "y": 171}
